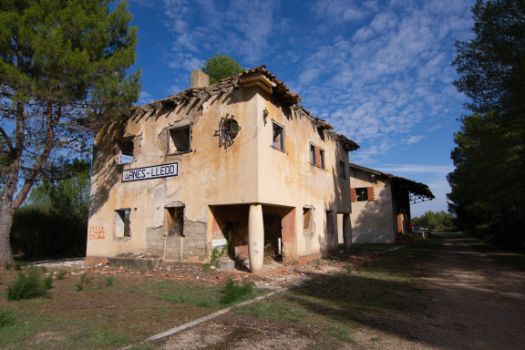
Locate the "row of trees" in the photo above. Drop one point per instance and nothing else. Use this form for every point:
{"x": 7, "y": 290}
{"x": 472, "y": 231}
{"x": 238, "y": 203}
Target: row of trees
{"x": 53, "y": 220}
{"x": 436, "y": 221}
{"x": 488, "y": 183}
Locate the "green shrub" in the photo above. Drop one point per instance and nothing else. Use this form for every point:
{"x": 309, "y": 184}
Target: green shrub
{"x": 109, "y": 280}
{"x": 85, "y": 278}
{"x": 28, "y": 285}
{"x": 61, "y": 274}
{"x": 214, "y": 260}
{"x": 234, "y": 291}
{"x": 7, "y": 318}
{"x": 79, "y": 286}
{"x": 48, "y": 281}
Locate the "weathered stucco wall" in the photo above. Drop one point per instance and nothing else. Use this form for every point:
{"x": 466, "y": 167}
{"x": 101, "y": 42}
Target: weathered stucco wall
{"x": 287, "y": 178}
{"x": 372, "y": 221}
{"x": 209, "y": 174}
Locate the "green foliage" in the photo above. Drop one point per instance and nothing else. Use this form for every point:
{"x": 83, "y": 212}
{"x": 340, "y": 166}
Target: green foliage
{"x": 221, "y": 66}
{"x": 29, "y": 285}
{"x": 488, "y": 183}
{"x": 61, "y": 274}
{"x": 436, "y": 221}
{"x": 48, "y": 281}
{"x": 234, "y": 291}
{"x": 54, "y": 221}
{"x": 109, "y": 281}
{"x": 7, "y": 318}
{"x": 216, "y": 254}
{"x": 79, "y": 287}
{"x": 64, "y": 72}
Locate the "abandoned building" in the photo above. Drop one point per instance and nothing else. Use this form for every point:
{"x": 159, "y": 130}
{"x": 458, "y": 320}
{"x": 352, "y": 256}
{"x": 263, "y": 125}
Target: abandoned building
{"x": 238, "y": 163}
{"x": 381, "y": 204}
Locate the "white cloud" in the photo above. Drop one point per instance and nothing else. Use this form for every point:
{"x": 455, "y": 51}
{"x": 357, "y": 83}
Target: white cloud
{"x": 391, "y": 74}
{"x": 413, "y": 139}
{"x": 144, "y": 98}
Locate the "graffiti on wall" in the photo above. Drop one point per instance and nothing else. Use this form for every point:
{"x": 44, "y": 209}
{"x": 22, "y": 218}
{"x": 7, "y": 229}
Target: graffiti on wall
{"x": 96, "y": 232}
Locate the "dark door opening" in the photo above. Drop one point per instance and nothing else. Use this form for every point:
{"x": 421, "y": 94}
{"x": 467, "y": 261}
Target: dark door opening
{"x": 272, "y": 237}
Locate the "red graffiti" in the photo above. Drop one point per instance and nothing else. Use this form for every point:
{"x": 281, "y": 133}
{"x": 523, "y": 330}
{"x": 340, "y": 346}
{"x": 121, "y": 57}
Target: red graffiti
{"x": 96, "y": 232}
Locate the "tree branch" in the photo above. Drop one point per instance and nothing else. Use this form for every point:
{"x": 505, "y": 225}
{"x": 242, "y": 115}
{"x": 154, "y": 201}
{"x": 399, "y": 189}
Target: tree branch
{"x": 37, "y": 168}
{"x": 8, "y": 141}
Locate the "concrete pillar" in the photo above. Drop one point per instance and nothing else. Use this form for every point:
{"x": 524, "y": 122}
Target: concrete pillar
{"x": 347, "y": 231}
{"x": 256, "y": 237}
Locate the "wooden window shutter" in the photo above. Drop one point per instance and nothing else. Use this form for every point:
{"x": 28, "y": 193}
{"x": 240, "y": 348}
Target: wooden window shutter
{"x": 353, "y": 195}
{"x": 317, "y": 157}
{"x": 371, "y": 194}
{"x": 399, "y": 223}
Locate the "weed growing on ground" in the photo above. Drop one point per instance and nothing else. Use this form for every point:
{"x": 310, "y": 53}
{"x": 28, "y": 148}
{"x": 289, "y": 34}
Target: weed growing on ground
{"x": 48, "y": 281}
{"x": 7, "y": 318}
{"x": 109, "y": 281}
{"x": 234, "y": 291}
{"x": 28, "y": 285}
{"x": 216, "y": 254}
{"x": 84, "y": 279}
{"x": 61, "y": 274}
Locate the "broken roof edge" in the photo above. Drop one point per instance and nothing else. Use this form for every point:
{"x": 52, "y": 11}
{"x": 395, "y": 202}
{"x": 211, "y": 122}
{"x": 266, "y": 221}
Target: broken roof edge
{"x": 415, "y": 187}
{"x": 228, "y": 84}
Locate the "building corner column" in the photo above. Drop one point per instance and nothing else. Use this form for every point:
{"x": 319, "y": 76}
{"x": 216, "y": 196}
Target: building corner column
{"x": 256, "y": 237}
{"x": 347, "y": 231}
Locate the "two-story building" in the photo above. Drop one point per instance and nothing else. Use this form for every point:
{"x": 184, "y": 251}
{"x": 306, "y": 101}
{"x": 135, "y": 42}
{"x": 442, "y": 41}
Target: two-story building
{"x": 239, "y": 161}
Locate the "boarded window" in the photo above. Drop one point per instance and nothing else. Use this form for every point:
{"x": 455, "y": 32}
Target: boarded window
{"x": 342, "y": 170}
{"x": 175, "y": 221}
{"x": 180, "y": 140}
{"x": 361, "y": 194}
{"x": 122, "y": 223}
{"x": 278, "y": 137}
{"x": 125, "y": 149}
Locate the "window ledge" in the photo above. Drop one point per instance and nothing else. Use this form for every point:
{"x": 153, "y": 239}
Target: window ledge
{"x": 278, "y": 149}
{"x": 179, "y": 153}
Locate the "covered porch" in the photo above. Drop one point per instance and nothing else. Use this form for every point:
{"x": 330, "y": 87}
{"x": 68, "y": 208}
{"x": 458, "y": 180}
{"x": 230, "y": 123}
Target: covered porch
{"x": 257, "y": 234}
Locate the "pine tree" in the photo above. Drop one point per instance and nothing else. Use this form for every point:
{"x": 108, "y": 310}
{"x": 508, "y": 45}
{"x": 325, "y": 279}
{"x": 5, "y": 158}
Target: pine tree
{"x": 221, "y": 66}
{"x": 63, "y": 73}
{"x": 488, "y": 183}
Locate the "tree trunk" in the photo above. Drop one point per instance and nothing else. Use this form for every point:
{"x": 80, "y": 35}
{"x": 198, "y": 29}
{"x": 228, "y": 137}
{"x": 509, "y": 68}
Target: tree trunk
{"x": 6, "y": 222}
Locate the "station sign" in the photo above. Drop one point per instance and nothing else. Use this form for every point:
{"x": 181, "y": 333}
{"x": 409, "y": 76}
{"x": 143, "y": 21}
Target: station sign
{"x": 150, "y": 172}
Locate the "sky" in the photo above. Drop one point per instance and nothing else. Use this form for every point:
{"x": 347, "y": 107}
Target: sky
{"x": 379, "y": 71}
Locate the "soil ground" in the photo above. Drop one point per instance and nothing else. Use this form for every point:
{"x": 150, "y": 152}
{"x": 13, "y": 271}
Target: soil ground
{"x": 454, "y": 294}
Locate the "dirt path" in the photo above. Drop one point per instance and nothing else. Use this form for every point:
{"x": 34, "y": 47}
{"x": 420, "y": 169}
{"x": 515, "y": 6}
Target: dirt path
{"x": 466, "y": 300}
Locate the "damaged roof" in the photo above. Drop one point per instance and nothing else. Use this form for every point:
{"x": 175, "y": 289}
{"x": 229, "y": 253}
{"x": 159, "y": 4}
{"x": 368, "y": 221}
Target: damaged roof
{"x": 196, "y": 97}
{"x": 412, "y": 186}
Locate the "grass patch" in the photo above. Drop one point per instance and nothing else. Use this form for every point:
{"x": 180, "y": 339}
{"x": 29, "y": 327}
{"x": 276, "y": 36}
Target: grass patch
{"x": 234, "y": 291}
{"x": 185, "y": 293}
{"x": 61, "y": 274}
{"x": 29, "y": 285}
{"x": 7, "y": 318}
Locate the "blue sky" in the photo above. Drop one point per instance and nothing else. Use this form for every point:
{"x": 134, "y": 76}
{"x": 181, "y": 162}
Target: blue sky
{"x": 379, "y": 71}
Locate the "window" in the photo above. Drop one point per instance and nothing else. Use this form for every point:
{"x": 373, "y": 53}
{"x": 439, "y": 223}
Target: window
{"x": 125, "y": 150}
{"x": 180, "y": 140}
{"x": 361, "y": 194}
{"x": 321, "y": 158}
{"x": 307, "y": 220}
{"x": 278, "y": 137}
{"x": 320, "y": 131}
{"x": 312, "y": 154}
{"x": 122, "y": 222}
{"x": 342, "y": 170}
{"x": 175, "y": 221}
